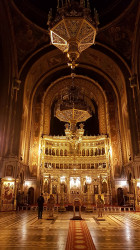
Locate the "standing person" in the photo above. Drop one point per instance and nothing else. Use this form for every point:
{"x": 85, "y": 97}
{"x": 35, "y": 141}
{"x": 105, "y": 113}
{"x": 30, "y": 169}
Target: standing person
{"x": 100, "y": 205}
{"x": 40, "y": 202}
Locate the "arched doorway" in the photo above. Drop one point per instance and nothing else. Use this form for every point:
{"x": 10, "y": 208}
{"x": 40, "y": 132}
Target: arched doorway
{"x": 31, "y": 196}
{"x": 120, "y": 196}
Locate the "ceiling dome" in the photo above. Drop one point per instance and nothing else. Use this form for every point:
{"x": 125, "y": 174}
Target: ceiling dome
{"x": 37, "y": 11}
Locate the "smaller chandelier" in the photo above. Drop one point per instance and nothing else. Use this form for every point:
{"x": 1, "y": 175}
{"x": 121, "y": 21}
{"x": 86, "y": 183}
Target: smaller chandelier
{"x": 72, "y": 107}
{"x": 73, "y": 29}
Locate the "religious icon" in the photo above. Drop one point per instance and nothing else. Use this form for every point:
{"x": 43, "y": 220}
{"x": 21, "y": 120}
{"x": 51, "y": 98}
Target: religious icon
{"x": 95, "y": 189}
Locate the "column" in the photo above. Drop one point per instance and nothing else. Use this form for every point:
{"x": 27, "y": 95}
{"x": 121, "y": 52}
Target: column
{"x": 0, "y": 194}
{"x": 68, "y": 185}
{"x": 133, "y": 84}
{"x": 89, "y": 206}
{"x": 135, "y": 196}
{"x": 62, "y": 207}
{"x": 15, "y": 195}
{"x": 62, "y": 183}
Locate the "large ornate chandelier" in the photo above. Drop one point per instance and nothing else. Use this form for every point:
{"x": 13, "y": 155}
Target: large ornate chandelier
{"x": 73, "y": 29}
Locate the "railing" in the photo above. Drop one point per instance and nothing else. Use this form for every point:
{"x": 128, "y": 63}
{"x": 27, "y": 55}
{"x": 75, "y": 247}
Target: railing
{"x": 35, "y": 208}
{"x": 105, "y": 209}
{"x": 116, "y": 209}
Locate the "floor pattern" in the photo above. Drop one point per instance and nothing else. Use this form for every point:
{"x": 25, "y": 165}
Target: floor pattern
{"x": 22, "y": 231}
{"x": 79, "y": 236}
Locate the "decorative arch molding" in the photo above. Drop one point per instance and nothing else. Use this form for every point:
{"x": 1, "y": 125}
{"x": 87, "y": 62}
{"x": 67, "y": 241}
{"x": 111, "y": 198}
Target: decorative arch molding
{"x": 54, "y": 59}
{"x": 109, "y": 111}
{"x": 49, "y": 67}
{"x": 88, "y": 87}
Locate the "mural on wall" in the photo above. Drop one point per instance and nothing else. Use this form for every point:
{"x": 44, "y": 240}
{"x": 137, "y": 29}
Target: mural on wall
{"x": 8, "y": 193}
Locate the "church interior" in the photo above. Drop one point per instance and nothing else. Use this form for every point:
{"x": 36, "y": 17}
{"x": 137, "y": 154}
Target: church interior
{"x": 70, "y": 103}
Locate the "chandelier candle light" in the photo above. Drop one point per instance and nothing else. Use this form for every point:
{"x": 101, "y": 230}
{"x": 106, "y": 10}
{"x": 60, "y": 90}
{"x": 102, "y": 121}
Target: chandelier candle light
{"x": 73, "y": 29}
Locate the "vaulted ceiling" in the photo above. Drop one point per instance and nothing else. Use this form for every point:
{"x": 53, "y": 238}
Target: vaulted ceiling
{"x": 37, "y": 11}
{"x": 117, "y": 19}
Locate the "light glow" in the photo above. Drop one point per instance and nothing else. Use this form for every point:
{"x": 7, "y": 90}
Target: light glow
{"x": 128, "y": 232}
{"x": 110, "y": 151}
{"x": 9, "y": 179}
{"x": 9, "y": 183}
{"x": 123, "y": 183}
{"x": 62, "y": 179}
{"x": 27, "y": 183}
{"x": 88, "y": 180}
{"x": 138, "y": 184}
{"x": 75, "y": 182}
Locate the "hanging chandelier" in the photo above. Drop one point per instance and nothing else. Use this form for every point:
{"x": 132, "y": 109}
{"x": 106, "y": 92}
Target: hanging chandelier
{"x": 73, "y": 29}
{"x": 73, "y": 106}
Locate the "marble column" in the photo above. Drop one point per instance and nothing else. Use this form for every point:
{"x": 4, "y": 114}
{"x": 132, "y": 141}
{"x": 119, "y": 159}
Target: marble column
{"x": 89, "y": 206}
{"x": 62, "y": 207}
{"x": 137, "y": 207}
{"x": 15, "y": 195}
{"x": 0, "y": 194}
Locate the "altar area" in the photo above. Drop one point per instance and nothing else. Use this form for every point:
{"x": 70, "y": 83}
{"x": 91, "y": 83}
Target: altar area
{"x": 83, "y": 174}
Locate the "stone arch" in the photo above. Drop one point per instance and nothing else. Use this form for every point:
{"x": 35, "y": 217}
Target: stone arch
{"x": 95, "y": 59}
{"x": 49, "y": 66}
{"x": 43, "y": 68}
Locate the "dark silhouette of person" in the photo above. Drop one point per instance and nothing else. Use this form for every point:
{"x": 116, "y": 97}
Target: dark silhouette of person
{"x": 40, "y": 202}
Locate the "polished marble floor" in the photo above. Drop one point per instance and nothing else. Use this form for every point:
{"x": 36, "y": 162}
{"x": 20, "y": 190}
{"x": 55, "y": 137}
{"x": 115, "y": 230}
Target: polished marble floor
{"x": 23, "y": 230}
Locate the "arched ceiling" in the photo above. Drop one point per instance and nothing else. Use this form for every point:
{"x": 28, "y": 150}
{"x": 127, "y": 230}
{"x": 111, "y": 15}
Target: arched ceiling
{"x": 29, "y": 18}
{"x": 47, "y": 68}
{"x": 37, "y": 11}
{"x": 53, "y": 65}
{"x": 41, "y": 64}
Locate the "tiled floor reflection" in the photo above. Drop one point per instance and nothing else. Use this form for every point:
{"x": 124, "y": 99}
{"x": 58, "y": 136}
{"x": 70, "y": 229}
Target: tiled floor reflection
{"x": 22, "y": 230}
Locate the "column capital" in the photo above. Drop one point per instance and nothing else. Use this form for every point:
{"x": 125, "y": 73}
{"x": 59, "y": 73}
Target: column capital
{"x": 133, "y": 81}
{"x": 16, "y": 84}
